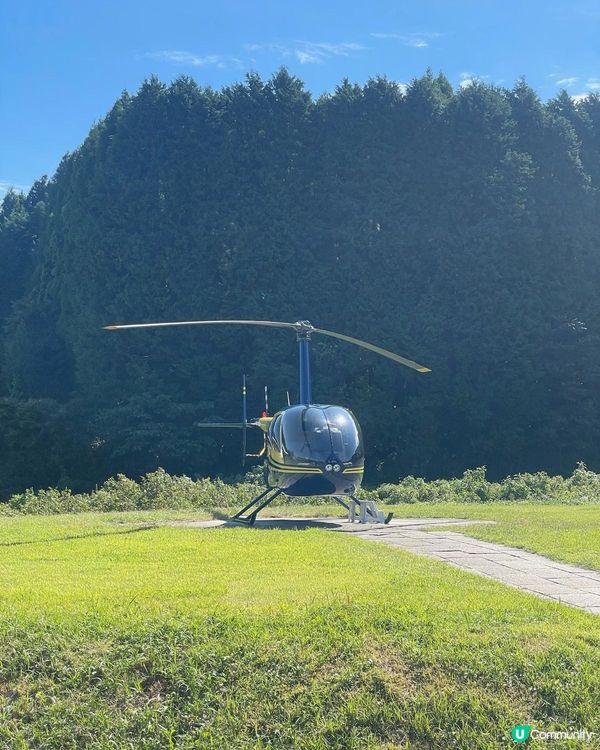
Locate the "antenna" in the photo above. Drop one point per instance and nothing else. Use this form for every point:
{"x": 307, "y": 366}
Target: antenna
{"x": 244, "y": 418}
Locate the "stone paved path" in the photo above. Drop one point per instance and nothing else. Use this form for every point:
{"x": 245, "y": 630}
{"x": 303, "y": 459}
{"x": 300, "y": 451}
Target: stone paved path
{"x": 527, "y": 571}
{"x": 536, "y": 574}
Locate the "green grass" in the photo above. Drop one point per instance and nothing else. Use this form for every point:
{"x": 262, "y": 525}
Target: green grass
{"x": 120, "y": 636}
{"x": 563, "y": 532}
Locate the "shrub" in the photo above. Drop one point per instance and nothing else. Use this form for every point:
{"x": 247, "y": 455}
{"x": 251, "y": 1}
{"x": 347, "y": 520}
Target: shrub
{"x": 159, "y": 490}
{"x": 49, "y": 501}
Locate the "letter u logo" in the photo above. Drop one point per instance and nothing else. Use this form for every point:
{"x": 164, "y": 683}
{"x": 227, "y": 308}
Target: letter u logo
{"x": 520, "y": 733}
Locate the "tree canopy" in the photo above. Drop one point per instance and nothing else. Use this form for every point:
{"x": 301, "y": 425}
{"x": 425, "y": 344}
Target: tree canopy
{"x": 459, "y": 228}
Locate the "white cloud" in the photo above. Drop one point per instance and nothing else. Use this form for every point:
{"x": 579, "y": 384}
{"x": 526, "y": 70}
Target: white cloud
{"x": 6, "y": 185}
{"x": 308, "y": 52}
{"x": 567, "y": 81}
{"x": 417, "y": 40}
{"x": 181, "y": 57}
{"x": 468, "y": 79}
{"x": 303, "y": 56}
{"x": 593, "y": 86}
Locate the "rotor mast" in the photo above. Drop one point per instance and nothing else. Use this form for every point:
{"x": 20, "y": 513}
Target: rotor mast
{"x": 303, "y": 331}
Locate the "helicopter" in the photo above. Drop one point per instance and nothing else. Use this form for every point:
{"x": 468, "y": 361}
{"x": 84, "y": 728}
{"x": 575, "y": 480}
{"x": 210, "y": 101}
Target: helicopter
{"x": 309, "y": 449}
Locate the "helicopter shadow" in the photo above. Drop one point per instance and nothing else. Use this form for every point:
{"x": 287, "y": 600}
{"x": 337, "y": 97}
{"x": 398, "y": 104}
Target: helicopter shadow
{"x": 284, "y": 524}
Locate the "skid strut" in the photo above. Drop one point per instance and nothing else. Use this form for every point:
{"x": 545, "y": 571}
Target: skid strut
{"x": 260, "y": 501}
{"x": 368, "y": 512}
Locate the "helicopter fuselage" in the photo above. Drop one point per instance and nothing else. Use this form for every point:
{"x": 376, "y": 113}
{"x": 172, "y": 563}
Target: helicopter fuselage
{"x": 313, "y": 449}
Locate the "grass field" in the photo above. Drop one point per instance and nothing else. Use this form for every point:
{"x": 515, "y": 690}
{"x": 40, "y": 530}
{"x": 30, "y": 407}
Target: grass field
{"x": 115, "y": 635}
{"x": 562, "y": 532}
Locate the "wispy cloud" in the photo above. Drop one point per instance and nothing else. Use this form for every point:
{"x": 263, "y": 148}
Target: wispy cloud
{"x": 181, "y": 57}
{"x": 466, "y": 79}
{"x": 567, "y": 81}
{"x": 592, "y": 84}
{"x": 6, "y": 185}
{"x": 469, "y": 79}
{"x": 308, "y": 52}
{"x": 416, "y": 39}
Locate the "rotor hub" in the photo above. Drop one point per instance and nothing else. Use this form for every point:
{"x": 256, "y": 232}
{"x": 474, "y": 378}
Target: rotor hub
{"x": 303, "y": 329}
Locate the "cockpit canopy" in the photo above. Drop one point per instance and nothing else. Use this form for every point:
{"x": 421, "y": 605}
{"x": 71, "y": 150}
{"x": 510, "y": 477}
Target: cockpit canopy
{"x": 317, "y": 433}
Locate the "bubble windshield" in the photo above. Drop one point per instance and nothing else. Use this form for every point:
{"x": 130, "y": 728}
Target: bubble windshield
{"x": 321, "y": 433}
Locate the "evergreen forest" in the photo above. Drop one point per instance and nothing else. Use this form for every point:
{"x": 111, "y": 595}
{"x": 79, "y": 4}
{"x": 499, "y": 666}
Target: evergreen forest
{"x": 457, "y": 227}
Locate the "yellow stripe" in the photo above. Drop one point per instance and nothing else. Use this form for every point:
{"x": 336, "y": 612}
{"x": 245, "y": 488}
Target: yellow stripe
{"x": 294, "y": 469}
{"x": 280, "y": 464}
{"x": 307, "y": 469}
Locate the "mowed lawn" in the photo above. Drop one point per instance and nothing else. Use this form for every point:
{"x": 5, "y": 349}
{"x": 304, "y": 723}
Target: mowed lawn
{"x": 119, "y": 636}
{"x": 563, "y": 532}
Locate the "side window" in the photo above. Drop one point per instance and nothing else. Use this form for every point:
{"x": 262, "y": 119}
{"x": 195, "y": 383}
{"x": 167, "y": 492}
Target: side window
{"x": 275, "y": 431}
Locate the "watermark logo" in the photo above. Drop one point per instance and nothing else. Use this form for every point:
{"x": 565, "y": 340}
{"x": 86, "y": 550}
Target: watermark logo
{"x": 521, "y": 732}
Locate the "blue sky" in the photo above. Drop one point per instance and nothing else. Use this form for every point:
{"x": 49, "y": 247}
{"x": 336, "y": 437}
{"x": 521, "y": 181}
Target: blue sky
{"x": 64, "y": 62}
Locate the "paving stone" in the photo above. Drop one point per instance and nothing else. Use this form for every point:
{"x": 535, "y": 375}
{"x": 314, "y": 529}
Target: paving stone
{"x": 553, "y": 590}
{"x": 577, "y": 581}
{"x": 502, "y": 560}
{"x": 581, "y": 599}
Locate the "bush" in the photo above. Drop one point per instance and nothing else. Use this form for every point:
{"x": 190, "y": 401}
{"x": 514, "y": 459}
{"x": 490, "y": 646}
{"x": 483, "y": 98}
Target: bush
{"x": 473, "y": 487}
{"x": 159, "y": 490}
{"x": 45, "y": 502}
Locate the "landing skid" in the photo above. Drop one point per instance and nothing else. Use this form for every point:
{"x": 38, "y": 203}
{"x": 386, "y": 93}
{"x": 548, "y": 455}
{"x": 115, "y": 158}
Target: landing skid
{"x": 261, "y": 501}
{"x": 368, "y": 512}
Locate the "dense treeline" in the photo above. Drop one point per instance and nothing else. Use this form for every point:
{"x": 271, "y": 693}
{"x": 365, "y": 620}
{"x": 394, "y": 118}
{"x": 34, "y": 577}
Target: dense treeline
{"x": 460, "y": 228}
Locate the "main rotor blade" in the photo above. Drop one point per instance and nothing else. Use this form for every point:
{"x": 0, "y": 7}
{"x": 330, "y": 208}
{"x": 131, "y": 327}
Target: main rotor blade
{"x": 228, "y": 425}
{"x": 373, "y": 348}
{"x": 271, "y": 323}
{"x": 299, "y": 326}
